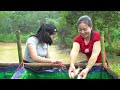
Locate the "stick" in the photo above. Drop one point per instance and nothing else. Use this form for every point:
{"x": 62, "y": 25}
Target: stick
{"x": 102, "y": 47}
{"x": 8, "y": 64}
{"x": 103, "y": 56}
{"x": 19, "y": 46}
{"x": 82, "y": 65}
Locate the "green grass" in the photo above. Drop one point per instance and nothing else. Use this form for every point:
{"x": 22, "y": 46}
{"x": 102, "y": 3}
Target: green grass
{"x": 12, "y": 37}
{"x": 114, "y": 62}
{"x": 7, "y": 37}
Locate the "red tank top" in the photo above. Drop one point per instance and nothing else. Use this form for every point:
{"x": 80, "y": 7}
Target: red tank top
{"x": 87, "y": 49}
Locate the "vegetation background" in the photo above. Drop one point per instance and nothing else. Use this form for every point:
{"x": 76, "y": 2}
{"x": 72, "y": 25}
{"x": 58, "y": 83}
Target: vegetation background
{"x": 28, "y": 22}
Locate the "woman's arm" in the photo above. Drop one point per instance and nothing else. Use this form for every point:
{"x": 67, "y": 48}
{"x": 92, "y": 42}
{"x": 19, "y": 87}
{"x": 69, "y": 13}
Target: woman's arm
{"x": 95, "y": 53}
{"x": 73, "y": 55}
{"x": 74, "y": 52}
{"x": 35, "y": 57}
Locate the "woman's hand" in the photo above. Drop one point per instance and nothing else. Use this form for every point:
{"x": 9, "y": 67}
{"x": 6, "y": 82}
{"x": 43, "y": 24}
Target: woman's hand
{"x": 59, "y": 63}
{"x": 83, "y": 74}
{"x": 71, "y": 71}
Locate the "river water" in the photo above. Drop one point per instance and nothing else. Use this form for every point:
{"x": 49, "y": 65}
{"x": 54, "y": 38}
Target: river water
{"x": 9, "y": 53}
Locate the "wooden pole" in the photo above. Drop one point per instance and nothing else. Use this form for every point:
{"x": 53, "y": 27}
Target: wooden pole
{"x": 83, "y": 65}
{"x": 19, "y": 46}
{"x": 102, "y": 47}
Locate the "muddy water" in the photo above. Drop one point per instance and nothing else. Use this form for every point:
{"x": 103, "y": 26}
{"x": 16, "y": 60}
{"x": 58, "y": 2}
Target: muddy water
{"x": 9, "y": 53}
{"x": 64, "y": 57}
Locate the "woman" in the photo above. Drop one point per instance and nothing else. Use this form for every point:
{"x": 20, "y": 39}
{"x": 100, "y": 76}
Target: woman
{"x": 36, "y": 48}
{"x": 88, "y": 42}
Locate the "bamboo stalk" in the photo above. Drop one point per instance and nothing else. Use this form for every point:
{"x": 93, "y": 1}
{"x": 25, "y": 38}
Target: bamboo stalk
{"x": 82, "y": 65}
{"x": 19, "y": 46}
{"x": 103, "y": 56}
{"x": 102, "y": 47}
{"x": 8, "y": 64}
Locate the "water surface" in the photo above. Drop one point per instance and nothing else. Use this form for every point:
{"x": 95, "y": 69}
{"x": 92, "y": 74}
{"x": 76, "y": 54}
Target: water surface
{"x": 9, "y": 53}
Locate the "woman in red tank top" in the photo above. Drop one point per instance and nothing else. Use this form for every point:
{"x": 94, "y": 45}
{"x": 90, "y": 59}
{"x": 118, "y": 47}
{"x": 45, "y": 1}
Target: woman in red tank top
{"x": 87, "y": 42}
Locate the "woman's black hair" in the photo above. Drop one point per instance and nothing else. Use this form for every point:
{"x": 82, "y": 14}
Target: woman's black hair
{"x": 87, "y": 20}
{"x": 44, "y": 32}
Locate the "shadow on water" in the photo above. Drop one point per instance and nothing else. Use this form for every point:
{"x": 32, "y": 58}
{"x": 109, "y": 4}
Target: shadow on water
{"x": 9, "y": 53}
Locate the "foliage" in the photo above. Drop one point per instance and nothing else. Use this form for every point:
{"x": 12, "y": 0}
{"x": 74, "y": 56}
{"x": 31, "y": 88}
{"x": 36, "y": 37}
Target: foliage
{"x": 28, "y": 22}
{"x": 113, "y": 50}
{"x": 7, "y": 38}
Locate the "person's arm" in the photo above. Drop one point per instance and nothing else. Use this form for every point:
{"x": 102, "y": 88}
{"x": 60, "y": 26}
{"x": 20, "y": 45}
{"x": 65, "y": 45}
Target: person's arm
{"x": 73, "y": 56}
{"x": 95, "y": 53}
{"x": 92, "y": 60}
{"x": 35, "y": 57}
{"x": 74, "y": 52}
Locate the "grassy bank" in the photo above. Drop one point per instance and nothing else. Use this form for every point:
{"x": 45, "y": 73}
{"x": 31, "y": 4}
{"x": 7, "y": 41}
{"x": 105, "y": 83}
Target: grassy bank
{"x": 114, "y": 62}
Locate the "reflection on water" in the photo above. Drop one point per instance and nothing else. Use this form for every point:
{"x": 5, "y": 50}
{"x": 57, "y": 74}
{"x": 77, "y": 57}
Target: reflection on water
{"x": 9, "y": 53}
